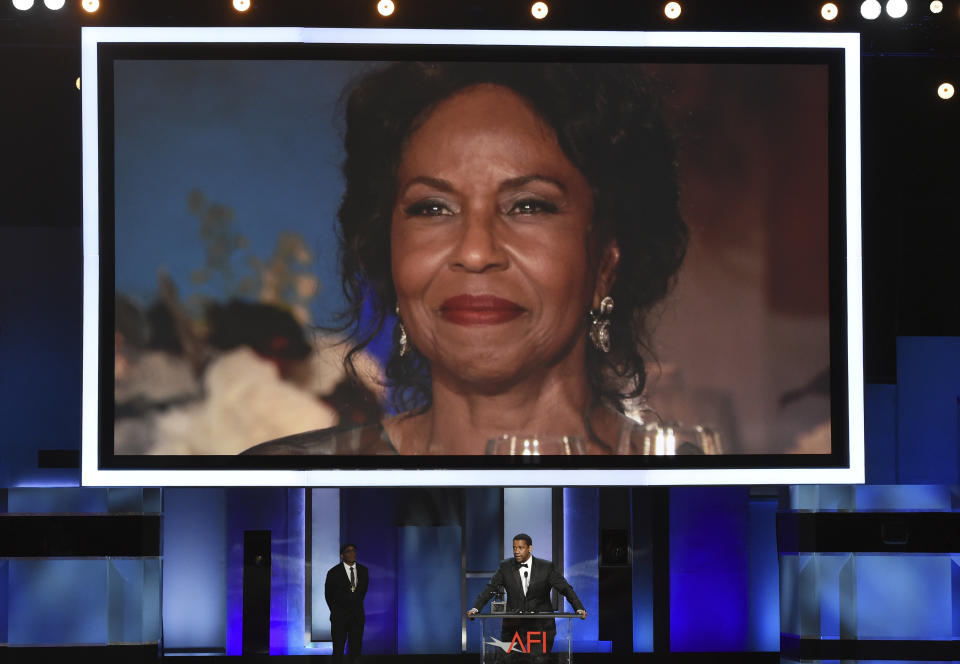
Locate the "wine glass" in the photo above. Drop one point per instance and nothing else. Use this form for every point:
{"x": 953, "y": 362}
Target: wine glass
{"x": 534, "y": 445}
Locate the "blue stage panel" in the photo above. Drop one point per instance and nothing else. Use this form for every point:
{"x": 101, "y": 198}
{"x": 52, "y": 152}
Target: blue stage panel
{"x": 134, "y": 600}
{"x": 822, "y": 498}
{"x": 287, "y": 592}
{"x": 790, "y": 616}
{"x": 581, "y": 550}
{"x": 262, "y": 509}
{"x": 880, "y": 430}
{"x": 194, "y": 568}
{"x": 528, "y": 511}
{"x": 904, "y": 596}
{"x": 955, "y": 592}
{"x": 41, "y": 351}
{"x": 324, "y": 554}
{"x": 64, "y": 500}
{"x": 928, "y": 425}
{"x": 474, "y": 587}
{"x": 483, "y": 526}
{"x": 4, "y": 598}
{"x": 429, "y": 603}
{"x": 709, "y": 563}
{"x": 368, "y": 518}
{"x": 903, "y": 498}
{"x": 835, "y": 598}
{"x": 764, "y": 592}
{"x": 642, "y": 539}
{"x": 57, "y": 601}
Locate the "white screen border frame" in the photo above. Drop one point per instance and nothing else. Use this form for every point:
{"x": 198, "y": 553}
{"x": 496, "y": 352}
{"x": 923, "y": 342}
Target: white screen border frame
{"x": 93, "y": 475}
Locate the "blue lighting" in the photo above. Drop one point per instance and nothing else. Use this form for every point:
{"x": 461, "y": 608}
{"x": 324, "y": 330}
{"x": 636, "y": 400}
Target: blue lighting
{"x": 194, "y": 568}
{"x": 527, "y": 510}
{"x": 709, "y": 604}
{"x": 324, "y": 554}
{"x": 368, "y": 519}
{"x": 260, "y": 509}
{"x": 57, "y": 601}
{"x": 428, "y": 590}
{"x": 928, "y": 426}
{"x": 904, "y": 596}
{"x": 764, "y": 591}
{"x": 581, "y": 543}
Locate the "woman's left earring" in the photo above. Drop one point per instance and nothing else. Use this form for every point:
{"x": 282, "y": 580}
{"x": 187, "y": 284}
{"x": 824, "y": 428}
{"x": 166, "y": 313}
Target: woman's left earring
{"x": 600, "y": 325}
{"x": 403, "y": 342}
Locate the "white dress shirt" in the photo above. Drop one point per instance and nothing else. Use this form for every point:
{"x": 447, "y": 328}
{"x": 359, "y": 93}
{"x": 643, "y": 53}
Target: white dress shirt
{"x": 356, "y": 573}
{"x": 525, "y": 578}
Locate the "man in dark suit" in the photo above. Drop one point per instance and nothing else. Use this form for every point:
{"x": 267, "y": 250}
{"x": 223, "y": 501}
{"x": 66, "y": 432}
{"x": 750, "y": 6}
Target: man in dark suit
{"x": 344, "y": 591}
{"x": 528, "y": 582}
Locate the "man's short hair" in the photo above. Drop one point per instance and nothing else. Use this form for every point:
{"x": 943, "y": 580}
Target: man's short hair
{"x": 347, "y": 546}
{"x": 526, "y": 538}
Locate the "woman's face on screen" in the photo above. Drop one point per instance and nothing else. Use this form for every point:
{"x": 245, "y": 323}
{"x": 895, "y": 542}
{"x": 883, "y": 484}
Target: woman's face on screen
{"x": 489, "y": 241}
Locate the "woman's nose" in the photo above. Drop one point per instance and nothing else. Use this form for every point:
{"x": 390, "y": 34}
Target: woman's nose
{"x": 479, "y": 246}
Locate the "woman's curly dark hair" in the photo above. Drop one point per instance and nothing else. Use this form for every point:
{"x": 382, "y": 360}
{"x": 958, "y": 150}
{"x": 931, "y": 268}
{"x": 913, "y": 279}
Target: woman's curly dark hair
{"x": 607, "y": 122}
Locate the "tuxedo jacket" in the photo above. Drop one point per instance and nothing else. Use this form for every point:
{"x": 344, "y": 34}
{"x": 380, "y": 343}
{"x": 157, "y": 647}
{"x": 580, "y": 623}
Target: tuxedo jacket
{"x": 543, "y": 577}
{"x": 336, "y": 590}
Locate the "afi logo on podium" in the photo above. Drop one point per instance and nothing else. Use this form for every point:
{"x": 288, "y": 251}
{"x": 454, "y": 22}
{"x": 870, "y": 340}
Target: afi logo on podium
{"x": 533, "y": 638}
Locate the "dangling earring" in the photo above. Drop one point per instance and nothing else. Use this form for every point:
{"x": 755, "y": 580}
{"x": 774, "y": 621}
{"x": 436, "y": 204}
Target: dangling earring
{"x": 600, "y": 325}
{"x": 403, "y": 342}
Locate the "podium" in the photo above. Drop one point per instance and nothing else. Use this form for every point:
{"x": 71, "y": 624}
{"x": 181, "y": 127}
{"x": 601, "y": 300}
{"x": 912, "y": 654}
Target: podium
{"x": 528, "y": 638}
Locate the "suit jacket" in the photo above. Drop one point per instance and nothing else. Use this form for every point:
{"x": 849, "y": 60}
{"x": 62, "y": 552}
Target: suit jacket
{"x": 543, "y": 577}
{"x": 336, "y": 590}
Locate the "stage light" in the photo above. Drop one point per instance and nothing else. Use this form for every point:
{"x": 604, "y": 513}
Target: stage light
{"x": 672, "y": 10}
{"x": 945, "y": 91}
{"x": 385, "y": 7}
{"x": 936, "y": 7}
{"x": 90, "y": 6}
{"x": 828, "y": 11}
{"x": 241, "y": 5}
{"x": 23, "y": 5}
{"x": 54, "y": 4}
{"x": 870, "y": 9}
{"x": 896, "y": 8}
{"x": 77, "y": 83}
{"x": 539, "y": 10}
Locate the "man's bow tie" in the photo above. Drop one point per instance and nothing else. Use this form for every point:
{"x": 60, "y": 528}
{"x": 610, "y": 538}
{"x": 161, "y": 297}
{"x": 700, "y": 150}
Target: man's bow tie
{"x": 522, "y": 565}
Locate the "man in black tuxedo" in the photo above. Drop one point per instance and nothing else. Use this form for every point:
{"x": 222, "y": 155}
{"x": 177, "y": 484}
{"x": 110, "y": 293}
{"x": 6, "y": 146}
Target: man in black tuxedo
{"x": 344, "y": 591}
{"x": 528, "y": 582}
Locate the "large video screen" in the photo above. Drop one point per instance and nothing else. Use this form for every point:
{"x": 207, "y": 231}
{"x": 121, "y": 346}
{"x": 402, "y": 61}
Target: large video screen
{"x": 334, "y": 257}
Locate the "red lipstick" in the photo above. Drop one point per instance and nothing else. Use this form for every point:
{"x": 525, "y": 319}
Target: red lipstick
{"x": 479, "y": 310}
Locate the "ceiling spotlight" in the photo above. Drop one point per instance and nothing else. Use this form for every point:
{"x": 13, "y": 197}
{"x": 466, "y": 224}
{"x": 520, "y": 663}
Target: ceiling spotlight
{"x": 945, "y": 91}
{"x": 539, "y": 10}
{"x": 54, "y": 4}
{"x": 672, "y": 10}
{"x": 936, "y": 7}
{"x": 23, "y": 5}
{"x": 90, "y": 6}
{"x": 385, "y": 7}
{"x": 828, "y": 11}
{"x": 896, "y": 8}
{"x": 870, "y": 9}
{"x": 241, "y": 5}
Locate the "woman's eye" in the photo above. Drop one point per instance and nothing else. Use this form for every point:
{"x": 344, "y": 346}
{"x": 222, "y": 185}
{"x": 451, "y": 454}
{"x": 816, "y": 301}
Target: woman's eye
{"x": 428, "y": 209}
{"x": 533, "y": 206}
